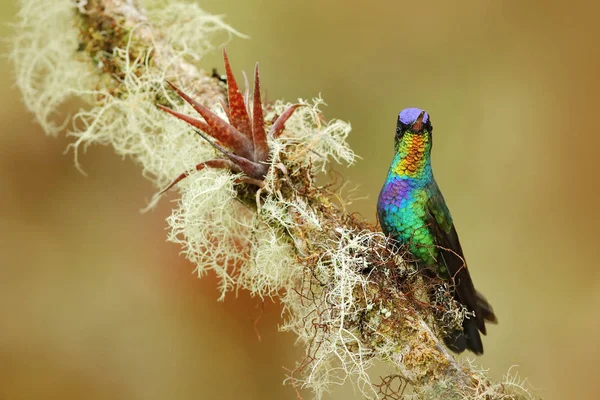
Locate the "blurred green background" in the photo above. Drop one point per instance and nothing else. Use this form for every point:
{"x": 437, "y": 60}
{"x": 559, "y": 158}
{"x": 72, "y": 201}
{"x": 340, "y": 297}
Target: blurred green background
{"x": 95, "y": 304}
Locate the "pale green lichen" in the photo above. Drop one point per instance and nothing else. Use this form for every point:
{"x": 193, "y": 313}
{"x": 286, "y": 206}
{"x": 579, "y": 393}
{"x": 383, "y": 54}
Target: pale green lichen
{"x": 219, "y": 233}
{"x": 336, "y": 349}
{"x": 293, "y": 243}
{"x": 51, "y": 71}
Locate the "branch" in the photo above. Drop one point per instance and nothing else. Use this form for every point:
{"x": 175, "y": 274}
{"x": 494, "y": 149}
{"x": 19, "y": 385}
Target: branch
{"x": 347, "y": 293}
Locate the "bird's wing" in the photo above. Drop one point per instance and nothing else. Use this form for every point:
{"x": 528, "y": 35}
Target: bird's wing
{"x": 450, "y": 253}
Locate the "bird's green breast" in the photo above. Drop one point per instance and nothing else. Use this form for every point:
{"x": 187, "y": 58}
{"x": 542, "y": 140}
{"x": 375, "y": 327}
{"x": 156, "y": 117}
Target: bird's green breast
{"x": 408, "y": 225}
{"x": 402, "y": 205}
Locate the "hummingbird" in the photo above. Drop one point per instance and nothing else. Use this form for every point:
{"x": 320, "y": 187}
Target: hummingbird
{"x": 412, "y": 211}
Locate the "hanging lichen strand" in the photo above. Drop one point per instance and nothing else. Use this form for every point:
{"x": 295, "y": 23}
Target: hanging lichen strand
{"x": 347, "y": 294}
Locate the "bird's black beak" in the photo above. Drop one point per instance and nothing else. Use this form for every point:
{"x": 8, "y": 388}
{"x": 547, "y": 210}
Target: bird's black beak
{"x": 417, "y": 126}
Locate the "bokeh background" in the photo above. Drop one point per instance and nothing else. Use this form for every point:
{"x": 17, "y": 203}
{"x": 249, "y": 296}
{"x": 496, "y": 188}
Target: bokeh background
{"x": 95, "y": 304}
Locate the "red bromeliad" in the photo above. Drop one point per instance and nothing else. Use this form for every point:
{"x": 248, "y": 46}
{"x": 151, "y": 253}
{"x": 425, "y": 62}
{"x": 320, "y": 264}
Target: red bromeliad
{"x": 242, "y": 140}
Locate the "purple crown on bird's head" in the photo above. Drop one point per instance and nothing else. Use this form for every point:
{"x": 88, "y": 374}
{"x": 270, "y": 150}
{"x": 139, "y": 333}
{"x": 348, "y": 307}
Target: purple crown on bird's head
{"x": 413, "y": 119}
{"x": 409, "y": 115}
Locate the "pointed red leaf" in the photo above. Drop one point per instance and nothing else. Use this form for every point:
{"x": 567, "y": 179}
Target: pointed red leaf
{"x": 203, "y": 126}
{"x": 220, "y": 129}
{"x": 261, "y": 148}
{"x": 217, "y": 163}
{"x": 277, "y": 128}
{"x": 238, "y": 115}
{"x": 252, "y": 169}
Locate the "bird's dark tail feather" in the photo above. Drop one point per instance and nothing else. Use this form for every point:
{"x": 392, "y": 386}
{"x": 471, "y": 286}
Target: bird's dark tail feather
{"x": 459, "y": 341}
{"x": 469, "y": 338}
{"x": 486, "y": 310}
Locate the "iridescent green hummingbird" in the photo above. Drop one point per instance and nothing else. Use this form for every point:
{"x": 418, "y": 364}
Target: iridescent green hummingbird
{"x": 412, "y": 210}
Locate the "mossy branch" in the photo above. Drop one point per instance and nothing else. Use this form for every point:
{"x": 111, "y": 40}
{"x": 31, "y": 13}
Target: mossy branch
{"x": 348, "y": 294}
